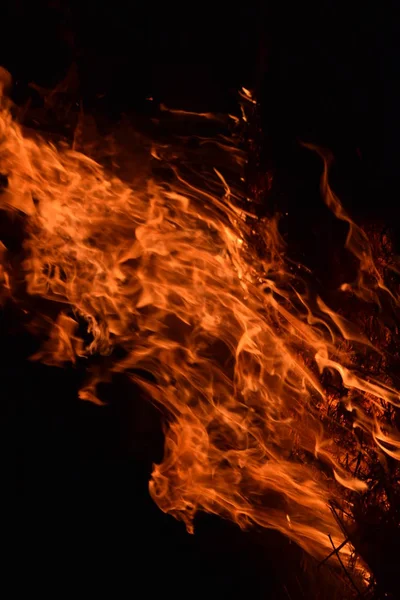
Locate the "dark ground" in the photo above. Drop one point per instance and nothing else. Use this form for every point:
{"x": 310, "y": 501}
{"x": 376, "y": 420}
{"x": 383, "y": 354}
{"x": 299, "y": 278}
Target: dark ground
{"x": 83, "y": 519}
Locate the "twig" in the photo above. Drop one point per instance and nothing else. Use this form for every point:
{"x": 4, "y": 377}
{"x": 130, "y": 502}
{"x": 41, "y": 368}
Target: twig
{"x": 336, "y": 551}
{"x": 357, "y": 464}
{"x": 339, "y": 520}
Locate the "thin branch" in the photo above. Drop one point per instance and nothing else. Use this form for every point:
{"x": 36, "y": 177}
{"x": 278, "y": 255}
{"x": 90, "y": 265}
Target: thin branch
{"x": 336, "y": 551}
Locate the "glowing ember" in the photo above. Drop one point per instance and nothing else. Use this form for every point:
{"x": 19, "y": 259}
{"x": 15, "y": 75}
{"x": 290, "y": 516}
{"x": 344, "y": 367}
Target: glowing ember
{"x": 235, "y": 344}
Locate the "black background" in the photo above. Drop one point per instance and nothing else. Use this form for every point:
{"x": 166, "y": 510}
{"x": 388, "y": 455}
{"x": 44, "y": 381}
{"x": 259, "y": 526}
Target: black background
{"x": 326, "y": 73}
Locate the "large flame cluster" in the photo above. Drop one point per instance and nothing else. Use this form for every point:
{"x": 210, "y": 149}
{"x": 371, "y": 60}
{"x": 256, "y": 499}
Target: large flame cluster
{"x": 234, "y": 343}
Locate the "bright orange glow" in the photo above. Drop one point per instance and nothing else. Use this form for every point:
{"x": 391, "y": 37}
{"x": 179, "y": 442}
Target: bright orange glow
{"x": 234, "y": 340}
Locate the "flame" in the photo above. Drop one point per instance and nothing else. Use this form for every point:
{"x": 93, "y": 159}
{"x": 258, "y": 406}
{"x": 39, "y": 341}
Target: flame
{"x": 236, "y": 344}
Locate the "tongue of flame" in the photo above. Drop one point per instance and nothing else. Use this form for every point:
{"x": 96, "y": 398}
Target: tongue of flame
{"x": 236, "y": 352}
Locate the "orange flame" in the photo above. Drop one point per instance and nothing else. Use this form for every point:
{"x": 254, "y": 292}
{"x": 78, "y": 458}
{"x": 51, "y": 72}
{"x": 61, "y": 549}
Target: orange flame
{"x": 236, "y": 348}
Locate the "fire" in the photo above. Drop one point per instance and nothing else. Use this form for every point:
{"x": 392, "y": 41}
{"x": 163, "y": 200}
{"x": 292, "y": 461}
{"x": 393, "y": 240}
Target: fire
{"x": 235, "y": 344}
